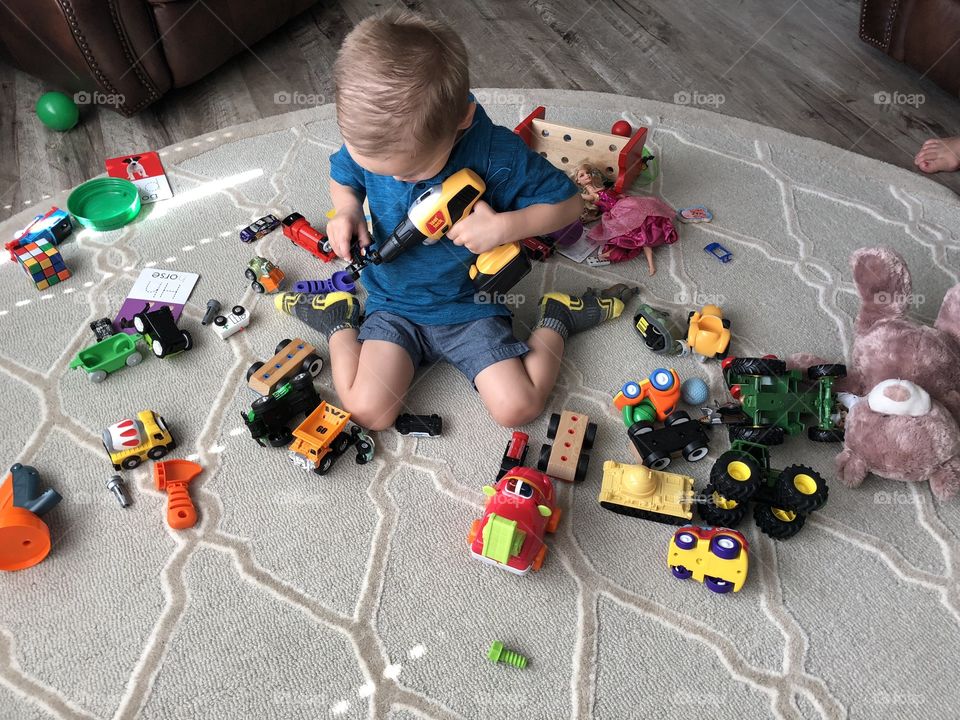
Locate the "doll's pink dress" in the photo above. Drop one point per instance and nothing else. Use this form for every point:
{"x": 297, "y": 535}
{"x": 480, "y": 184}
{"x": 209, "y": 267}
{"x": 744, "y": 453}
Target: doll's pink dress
{"x": 630, "y": 223}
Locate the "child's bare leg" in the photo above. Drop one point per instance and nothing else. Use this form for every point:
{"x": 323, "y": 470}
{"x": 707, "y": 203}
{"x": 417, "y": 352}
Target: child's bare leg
{"x": 648, "y": 252}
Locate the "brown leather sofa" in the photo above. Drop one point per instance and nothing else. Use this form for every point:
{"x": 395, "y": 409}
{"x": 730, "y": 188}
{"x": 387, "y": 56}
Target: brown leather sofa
{"x": 924, "y": 34}
{"x": 133, "y": 50}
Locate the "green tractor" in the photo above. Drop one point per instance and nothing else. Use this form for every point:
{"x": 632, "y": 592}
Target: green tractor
{"x": 779, "y": 402}
{"x": 782, "y": 498}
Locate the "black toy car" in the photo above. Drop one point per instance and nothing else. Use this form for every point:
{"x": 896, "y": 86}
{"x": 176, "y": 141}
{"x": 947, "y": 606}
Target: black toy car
{"x": 419, "y": 425}
{"x": 269, "y": 416}
{"x": 679, "y": 435}
{"x": 102, "y": 328}
{"x": 161, "y": 332}
{"x": 256, "y": 230}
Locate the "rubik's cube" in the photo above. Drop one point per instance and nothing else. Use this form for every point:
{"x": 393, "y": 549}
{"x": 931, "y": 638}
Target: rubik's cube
{"x": 43, "y": 263}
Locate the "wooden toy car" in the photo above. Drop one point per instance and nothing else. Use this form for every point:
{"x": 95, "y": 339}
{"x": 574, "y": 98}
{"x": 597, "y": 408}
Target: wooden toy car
{"x": 161, "y": 332}
{"x": 780, "y": 401}
{"x": 708, "y": 332}
{"x": 290, "y": 358}
{"x": 717, "y": 557}
{"x": 515, "y": 454}
{"x": 656, "y": 447}
{"x": 419, "y": 425}
{"x": 304, "y": 235}
{"x": 638, "y": 491}
{"x": 265, "y": 225}
{"x": 264, "y": 276}
{"x": 568, "y": 458}
{"x": 620, "y": 159}
{"x": 519, "y": 511}
{"x": 108, "y": 355}
{"x": 269, "y": 415}
{"x": 325, "y": 435}
{"x": 782, "y": 498}
{"x": 133, "y": 441}
{"x": 227, "y": 325}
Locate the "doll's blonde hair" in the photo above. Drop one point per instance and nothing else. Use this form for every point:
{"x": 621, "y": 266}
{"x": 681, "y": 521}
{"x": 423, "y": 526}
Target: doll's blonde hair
{"x": 596, "y": 176}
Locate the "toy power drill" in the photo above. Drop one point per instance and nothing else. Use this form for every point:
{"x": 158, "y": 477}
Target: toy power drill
{"x": 430, "y": 218}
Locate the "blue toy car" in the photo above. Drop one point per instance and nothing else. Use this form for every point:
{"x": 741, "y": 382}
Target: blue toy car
{"x": 719, "y": 252}
{"x": 254, "y": 231}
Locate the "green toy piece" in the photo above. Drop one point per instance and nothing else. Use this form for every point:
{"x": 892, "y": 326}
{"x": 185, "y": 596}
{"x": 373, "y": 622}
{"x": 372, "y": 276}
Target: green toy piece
{"x": 497, "y": 653}
{"x": 645, "y": 411}
{"x": 108, "y": 355}
{"x": 57, "y": 111}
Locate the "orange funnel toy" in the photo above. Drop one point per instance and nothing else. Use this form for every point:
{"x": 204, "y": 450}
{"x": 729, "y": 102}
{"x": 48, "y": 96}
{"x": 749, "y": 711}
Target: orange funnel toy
{"x": 173, "y": 476}
{"x": 24, "y": 537}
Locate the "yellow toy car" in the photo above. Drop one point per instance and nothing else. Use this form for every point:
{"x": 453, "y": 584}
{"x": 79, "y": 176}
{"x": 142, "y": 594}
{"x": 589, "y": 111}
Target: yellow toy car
{"x": 717, "y": 557}
{"x": 708, "y": 332}
{"x": 644, "y": 493}
{"x": 131, "y": 442}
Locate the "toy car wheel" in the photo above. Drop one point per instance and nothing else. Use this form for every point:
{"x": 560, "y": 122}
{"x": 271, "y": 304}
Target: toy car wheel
{"x": 239, "y": 310}
{"x": 725, "y": 322}
{"x": 257, "y": 287}
{"x": 590, "y": 436}
{"x": 695, "y": 451}
{"x": 815, "y": 372}
{"x": 324, "y": 467}
{"x": 131, "y": 462}
{"x": 641, "y": 427}
{"x": 134, "y": 358}
{"x": 716, "y": 510}
{"x": 544, "y": 459}
{"x": 474, "y": 531}
{"x": 680, "y": 572}
{"x": 249, "y": 274}
{"x": 540, "y": 557}
{"x": 684, "y": 539}
{"x": 802, "y": 489}
{"x": 583, "y": 463}
{"x": 726, "y": 547}
{"x": 158, "y": 348}
{"x": 313, "y": 364}
{"x": 767, "y": 367}
{"x": 262, "y": 403}
{"x": 155, "y": 453}
{"x": 821, "y": 435}
{"x": 657, "y": 460}
{"x": 364, "y": 451}
{"x": 254, "y": 367}
{"x": 281, "y": 345}
{"x": 677, "y": 417}
{"x": 553, "y": 426}
{"x": 736, "y": 475}
{"x": 97, "y": 376}
{"x": 762, "y": 434}
{"x": 302, "y": 381}
{"x": 776, "y": 522}
{"x": 138, "y": 324}
{"x": 187, "y": 340}
{"x": 554, "y": 522}
{"x": 220, "y": 321}
{"x": 341, "y": 443}
{"x": 717, "y": 585}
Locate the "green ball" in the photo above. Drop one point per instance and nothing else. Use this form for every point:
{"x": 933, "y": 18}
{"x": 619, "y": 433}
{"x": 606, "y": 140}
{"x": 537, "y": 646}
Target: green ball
{"x": 57, "y": 111}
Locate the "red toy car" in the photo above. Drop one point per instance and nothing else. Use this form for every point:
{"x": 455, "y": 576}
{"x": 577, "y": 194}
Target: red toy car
{"x": 539, "y": 248}
{"x": 520, "y": 510}
{"x": 515, "y": 454}
{"x": 303, "y": 234}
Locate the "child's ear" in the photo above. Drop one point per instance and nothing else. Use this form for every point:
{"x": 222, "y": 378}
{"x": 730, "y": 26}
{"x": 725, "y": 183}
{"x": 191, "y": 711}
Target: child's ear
{"x": 468, "y": 118}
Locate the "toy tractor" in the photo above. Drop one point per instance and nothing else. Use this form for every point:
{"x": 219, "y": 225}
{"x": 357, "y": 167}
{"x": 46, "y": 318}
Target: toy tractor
{"x": 780, "y": 402}
{"x": 782, "y": 498}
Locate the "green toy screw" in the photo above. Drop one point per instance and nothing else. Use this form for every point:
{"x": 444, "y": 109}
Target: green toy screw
{"x": 497, "y": 653}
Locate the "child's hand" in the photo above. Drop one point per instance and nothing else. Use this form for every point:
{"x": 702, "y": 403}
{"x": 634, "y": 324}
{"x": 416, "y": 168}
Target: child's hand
{"x": 342, "y": 227}
{"x": 482, "y": 230}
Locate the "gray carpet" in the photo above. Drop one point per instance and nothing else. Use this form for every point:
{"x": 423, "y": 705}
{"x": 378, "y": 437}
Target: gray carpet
{"x": 354, "y": 595}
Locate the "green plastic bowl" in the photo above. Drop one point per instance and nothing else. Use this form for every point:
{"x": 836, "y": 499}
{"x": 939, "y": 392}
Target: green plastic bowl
{"x": 105, "y": 203}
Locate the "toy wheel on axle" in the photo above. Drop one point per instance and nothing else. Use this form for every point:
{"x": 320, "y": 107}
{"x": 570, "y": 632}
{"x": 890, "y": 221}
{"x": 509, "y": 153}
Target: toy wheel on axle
{"x": 553, "y": 426}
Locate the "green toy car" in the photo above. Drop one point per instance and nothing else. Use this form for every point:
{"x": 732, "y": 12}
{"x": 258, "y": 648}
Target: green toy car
{"x": 780, "y": 402}
{"x": 782, "y": 498}
{"x": 108, "y": 355}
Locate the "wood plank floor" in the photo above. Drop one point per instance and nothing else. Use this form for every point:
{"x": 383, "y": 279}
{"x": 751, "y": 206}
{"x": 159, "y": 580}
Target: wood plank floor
{"x": 793, "y": 64}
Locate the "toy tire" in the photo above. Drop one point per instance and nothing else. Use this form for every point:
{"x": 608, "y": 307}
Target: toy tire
{"x": 97, "y": 376}
{"x": 363, "y": 448}
{"x": 762, "y": 434}
{"x": 158, "y": 348}
{"x": 583, "y": 464}
{"x": 757, "y": 366}
{"x": 156, "y": 453}
{"x": 138, "y": 324}
{"x": 324, "y": 467}
{"x": 220, "y": 321}
{"x": 680, "y": 572}
{"x": 775, "y": 527}
{"x": 553, "y": 426}
{"x": 590, "y": 436}
{"x": 677, "y": 417}
{"x": 341, "y": 443}
{"x": 815, "y": 372}
{"x": 726, "y": 547}
{"x": 713, "y": 514}
{"x": 239, "y": 310}
{"x": 725, "y": 322}
{"x": 253, "y": 369}
{"x": 717, "y": 585}
{"x": 302, "y": 381}
{"x": 544, "y": 458}
{"x": 187, "y": 340}
{"x": 313, "y": 364}
{"x": 820, "y": 435}
{"x": 281, "y": 345}
{"x": 249, "y": 274}
{"x": 695, "y": 451}
{"x": 684, "y": 539}
{"x": 134, "y": 358}
{"x": 802, "y": 489}
{"x": 257, "y": 287}
{"x": 657, "y": 460}
{"x": 262, "y": 403}
{"x": 736, "y": 475}
{"x": 130, "y": 463}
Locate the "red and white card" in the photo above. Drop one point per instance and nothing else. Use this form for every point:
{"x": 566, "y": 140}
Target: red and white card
{"x": 145, "y": 171}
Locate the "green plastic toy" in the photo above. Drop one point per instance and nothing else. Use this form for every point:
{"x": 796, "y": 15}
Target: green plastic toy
{"x": 57, "y": 111}
{"x": 108, "y": 355}
{"x": 497, "y": 653}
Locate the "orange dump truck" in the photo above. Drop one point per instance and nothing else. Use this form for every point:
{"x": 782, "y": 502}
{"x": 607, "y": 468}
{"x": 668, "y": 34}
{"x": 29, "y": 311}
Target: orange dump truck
{"x": 324, "y": 436}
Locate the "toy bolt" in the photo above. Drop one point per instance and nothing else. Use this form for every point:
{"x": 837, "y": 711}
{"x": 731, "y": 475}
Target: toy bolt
{"x": 115, "y": 485}
{"x": 213, "y": 309}
{"x": 497, "y": 653}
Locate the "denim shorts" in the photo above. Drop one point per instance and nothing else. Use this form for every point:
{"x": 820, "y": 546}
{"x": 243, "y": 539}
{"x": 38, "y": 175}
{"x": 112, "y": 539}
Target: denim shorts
{"x": 471, "y": 346}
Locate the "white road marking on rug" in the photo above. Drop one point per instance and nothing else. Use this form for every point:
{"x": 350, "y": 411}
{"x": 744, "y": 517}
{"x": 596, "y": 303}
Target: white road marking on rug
{"x": 340, "y": 708}
{"x": 188, "y": 248}
{"x": 236, "y": 431}
{"x": 416, "y": 652}
{"x": 21, "y": 303}
{"x": 67, "y": 291}
{"x": 366, "y": 690}
{"x": 4, "y": 312}
{"x": 392, "y": 671}
{"x": 216, "y": 449}
{"x": 170, "y": 259}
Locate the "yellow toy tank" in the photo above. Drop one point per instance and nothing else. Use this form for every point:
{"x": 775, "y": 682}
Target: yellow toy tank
{"x": 650, "y": 494}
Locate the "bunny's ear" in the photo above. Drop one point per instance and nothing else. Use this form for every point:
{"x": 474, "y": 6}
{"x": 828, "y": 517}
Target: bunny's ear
{"x": 948, "y": 319}
{"x": 883, "y": 281}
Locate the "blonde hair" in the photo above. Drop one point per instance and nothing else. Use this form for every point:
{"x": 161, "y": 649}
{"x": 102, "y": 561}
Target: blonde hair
{"x": 596, "y": 177}
{"x": 402, "y": 83}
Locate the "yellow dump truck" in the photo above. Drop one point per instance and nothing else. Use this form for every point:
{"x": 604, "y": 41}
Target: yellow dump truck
{"x": 324, "y": 436}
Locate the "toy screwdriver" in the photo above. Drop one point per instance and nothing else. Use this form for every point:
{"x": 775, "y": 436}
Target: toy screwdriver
{"x": 429, "y": 218}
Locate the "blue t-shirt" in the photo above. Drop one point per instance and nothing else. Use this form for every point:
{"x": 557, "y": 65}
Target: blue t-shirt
{"x": 430, "y": 284}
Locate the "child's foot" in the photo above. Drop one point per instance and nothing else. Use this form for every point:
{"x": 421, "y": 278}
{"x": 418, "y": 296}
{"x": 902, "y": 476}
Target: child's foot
{"x": 568, "y": 315}
{"x": 939, "y": 155}
{"x": 324, "y": 313}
